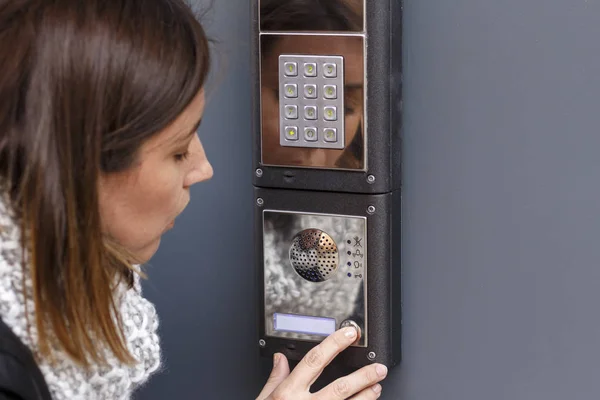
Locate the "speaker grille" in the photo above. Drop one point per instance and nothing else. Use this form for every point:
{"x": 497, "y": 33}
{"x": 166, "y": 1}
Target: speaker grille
{"x": 314, "y": 255}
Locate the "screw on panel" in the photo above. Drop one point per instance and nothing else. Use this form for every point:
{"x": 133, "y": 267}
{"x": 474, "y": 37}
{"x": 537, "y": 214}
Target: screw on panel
{"x": 262, "y": 343}
{"x": 260, "y": 202}
{"x": 371, "y": 210}
{"x": 259, "y": 172}
{"x": 371, "y": 179}
{"x": 371, "y": 355}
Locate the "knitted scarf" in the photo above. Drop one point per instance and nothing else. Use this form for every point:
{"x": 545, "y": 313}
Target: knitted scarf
{"x": 66, "y": 380}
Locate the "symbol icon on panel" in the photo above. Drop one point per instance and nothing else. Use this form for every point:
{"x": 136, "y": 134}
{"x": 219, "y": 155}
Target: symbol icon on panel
{"x": 358, "y": 254}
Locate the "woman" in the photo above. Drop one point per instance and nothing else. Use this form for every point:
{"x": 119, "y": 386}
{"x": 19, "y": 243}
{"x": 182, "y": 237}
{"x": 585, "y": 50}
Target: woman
{"x": 101, "y": 101}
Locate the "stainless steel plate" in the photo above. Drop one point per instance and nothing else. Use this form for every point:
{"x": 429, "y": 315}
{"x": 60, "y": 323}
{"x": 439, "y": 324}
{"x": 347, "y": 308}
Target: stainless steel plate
{"x": 299, "y": 277}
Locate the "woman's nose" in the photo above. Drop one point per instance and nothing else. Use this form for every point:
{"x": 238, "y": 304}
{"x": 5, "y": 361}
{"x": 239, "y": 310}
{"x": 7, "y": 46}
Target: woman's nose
{"x": 201, "y": 168}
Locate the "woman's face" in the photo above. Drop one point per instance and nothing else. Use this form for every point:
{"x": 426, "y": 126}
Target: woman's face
{"x": 139, "y": 205}
{"x": 273, "y": 152}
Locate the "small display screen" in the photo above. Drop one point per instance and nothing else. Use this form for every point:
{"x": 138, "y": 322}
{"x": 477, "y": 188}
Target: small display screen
{"x": 303, "y": 324}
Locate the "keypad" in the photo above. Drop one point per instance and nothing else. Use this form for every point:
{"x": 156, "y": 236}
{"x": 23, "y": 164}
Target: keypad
{"x": 311, "y": 98}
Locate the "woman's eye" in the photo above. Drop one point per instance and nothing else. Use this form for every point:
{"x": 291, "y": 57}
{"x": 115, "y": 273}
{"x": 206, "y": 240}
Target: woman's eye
{"x": 182, "y": 156}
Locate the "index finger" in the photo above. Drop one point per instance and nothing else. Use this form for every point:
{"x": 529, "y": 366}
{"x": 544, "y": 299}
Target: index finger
{"x": 315, "y": 361}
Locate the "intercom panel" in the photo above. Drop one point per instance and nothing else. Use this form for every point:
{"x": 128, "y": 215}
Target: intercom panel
{"x": 326, "y": 171}
{"x": 327, "y": 109}
{"x": 328, "y": 260}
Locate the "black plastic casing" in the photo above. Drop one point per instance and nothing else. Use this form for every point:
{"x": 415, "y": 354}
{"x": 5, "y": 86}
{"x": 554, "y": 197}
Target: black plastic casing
{"x": 383, "y": 292}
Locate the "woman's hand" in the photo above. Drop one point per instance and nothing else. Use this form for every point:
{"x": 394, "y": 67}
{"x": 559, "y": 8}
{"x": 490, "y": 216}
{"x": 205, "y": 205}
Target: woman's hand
{"x": 360, "y": 385}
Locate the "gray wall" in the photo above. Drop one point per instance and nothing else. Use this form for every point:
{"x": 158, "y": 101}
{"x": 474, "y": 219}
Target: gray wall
{"x": 502, "y": 213}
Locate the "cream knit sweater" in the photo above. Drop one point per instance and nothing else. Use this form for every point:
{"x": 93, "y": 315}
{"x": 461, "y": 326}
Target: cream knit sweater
{"x": 68, "y": 381}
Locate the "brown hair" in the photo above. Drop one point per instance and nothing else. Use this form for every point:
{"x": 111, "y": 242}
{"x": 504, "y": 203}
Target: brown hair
{"x": 84, "y": 84}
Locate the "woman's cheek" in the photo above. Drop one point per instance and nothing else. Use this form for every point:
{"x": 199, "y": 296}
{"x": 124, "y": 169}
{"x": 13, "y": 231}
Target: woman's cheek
{"x": 352, "y": 124}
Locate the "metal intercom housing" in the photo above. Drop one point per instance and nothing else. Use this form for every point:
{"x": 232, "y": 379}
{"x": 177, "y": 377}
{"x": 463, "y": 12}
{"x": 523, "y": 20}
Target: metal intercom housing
{"x": 327, "y": 175}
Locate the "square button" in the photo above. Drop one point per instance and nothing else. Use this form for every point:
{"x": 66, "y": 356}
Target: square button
{"x": 310, "y": 134}
{"x": 330, "y": 70}
{"x": 291, "y": 69}
{"x": 310, "y": 112}
{"x": 330, "y": 134}
{"x": 330, "y": 114}
{"x": 330, "y": 92}
{"x": 291, "y": 112}
{"x": 291, "y": 90}
{"x": 310, "y": 69}
{"x": 310, "y": 91}
{"x": 291, "y": 133}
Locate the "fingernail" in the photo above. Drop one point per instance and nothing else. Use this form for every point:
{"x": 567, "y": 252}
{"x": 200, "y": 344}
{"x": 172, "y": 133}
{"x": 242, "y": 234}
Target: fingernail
{"x": 377, "y": 388}
{"x": 276, "y": 359}
{"x": 381, "y": 370}
{"x": 350, "y": 332}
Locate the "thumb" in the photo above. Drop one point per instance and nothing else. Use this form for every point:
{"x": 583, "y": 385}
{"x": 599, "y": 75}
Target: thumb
{"x": 281, "y": 370}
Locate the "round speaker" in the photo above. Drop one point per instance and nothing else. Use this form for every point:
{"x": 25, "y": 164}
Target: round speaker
{"x": 314, "y": 255}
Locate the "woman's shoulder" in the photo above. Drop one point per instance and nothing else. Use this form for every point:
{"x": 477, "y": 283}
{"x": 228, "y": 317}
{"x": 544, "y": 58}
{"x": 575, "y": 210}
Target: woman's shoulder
{"x": 20, "y": 378}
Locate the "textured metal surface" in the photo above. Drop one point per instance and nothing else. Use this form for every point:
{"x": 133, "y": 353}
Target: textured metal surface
{"x": 314, "y": 255}
{"x": 314, "y": 265}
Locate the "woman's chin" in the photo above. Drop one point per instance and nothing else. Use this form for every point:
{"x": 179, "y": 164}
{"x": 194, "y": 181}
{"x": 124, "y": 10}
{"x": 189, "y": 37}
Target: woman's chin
{"x": 144, "y": 255}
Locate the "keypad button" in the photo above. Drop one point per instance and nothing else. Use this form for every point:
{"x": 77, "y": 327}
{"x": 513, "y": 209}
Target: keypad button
{"x": 291, "y": 133}
{"x": 330, "y": 92}
{"x": 310, "y": 91}
{"x": 330, "y": 134}
{"x": 291, "y": 90}
{"x": 310, "y": 69}
{"x": 291, "y": 69}
{"x": 291, "y": 112}
{"x": 310, "y": 112}
{"x": 310, "y": 134}
{"x": 330, "y": 114}
{"x": 330, "y": 70}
